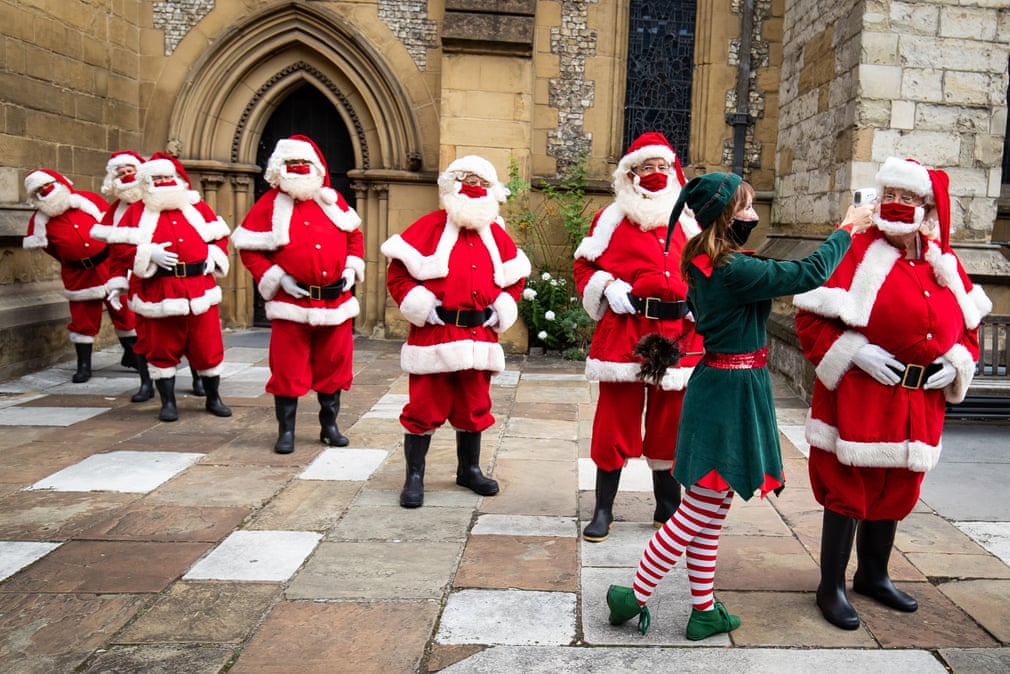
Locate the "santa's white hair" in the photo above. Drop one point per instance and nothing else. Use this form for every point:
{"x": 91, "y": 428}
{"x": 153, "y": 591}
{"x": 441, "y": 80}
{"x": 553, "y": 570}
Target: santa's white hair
{"x": 288, "y": 149}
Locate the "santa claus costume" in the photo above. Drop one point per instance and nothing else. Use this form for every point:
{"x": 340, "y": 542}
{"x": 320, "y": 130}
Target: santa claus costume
{"x": 893, "y": 336}
{"x": 304, "y": 247}
{"x": 625, "y": 257}
{"x": 456, "y": 275}
{"x": 173, "y": 245}
{"x": 62, "y": 227}
{"x": 122, "y": 187}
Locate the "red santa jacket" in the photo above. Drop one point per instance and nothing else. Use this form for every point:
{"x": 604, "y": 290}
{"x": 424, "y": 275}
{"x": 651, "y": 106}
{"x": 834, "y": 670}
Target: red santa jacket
{"x": 314, "y": 241}
{"x": 197, "y": 235}
{"x": 110, "y": 220}
{"x": 616, "y": 248}
{"x": 67, "y": 237}
{"x": 918, "y": 310}
{"x": 464, "y": 269}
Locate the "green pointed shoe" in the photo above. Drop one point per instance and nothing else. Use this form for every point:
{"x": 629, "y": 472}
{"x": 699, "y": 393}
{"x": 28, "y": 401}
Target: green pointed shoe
{"x": 704, "y": 624}
{"x": 624, "y": 606}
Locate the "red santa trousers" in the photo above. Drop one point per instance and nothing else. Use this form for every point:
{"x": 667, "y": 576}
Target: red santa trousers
{"x": 304, "y": 357}
{"x": 463, "y": 398}
{"x": 166, "y": 340}
{"x": 86, "y": 318}
{"x": 617, "y": 424}
{"x": 863, "y": 493}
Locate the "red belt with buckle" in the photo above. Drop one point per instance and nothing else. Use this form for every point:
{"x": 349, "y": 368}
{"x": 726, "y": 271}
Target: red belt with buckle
{"x": 737, "y": 361}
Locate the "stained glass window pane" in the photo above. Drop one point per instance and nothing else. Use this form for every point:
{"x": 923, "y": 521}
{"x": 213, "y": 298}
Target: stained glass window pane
{"x": 660, "y": 65}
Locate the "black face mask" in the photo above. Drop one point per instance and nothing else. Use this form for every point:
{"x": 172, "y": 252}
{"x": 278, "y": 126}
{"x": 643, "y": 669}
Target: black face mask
{"x": 739, "y": 230}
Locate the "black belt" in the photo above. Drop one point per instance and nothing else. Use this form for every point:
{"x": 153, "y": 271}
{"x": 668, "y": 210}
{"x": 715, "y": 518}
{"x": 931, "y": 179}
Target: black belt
{"x": 330, "y": 292}
{"x": 655, "y": 308}
{"x": 88, "y": 262}
{"x": 914, "y": 376}
{"x": 182, "y": 270}
{"x": 464, "y": 318}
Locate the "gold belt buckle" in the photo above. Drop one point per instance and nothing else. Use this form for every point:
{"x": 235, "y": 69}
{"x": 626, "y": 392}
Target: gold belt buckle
{"x": 179, "y": 270}
{"x": 87, "y": 263}
{"x": 315, "y": 292}
{"x": 913, "y": 370}
{"x": 649, "y": 303}
{"x": 459, "y": 316}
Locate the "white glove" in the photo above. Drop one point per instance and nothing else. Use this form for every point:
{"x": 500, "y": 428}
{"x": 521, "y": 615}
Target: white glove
{"x": 689, "y": 317}
{"x": 942, "y": 378}
{"x": 165, "y": 259}
{"x": 208, "y": 266}
{"x": 291, "y": 287}
{"x": 492, "y": 321}
{"x": 874, "y": 361}
{"x": 617, "y": 294}
{"x": 348, "y": 277}
{"x": 113, "y": 299}
{"x": 433, "y": 314}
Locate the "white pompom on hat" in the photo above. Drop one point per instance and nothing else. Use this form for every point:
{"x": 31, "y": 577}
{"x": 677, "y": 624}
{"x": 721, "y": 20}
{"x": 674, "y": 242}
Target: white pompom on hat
{"x": 448, "y": 182}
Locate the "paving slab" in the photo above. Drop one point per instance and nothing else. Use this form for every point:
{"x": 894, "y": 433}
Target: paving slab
{"x": 225, "y": 486}
{"x": 56, "y": 516}
{"x": 256, "y": 556}
{"x": 993, "y": 536}
{"x": 986, "y": 601}
{"x": 306, "y": 505}
{"x": 525, "y": 525}
{"x": 345, "y": 463}
{"x": 533, "y": 488}
{"x": 130, "y": 472}
{"x": 977, "y": 660}
{"x": 154, "y": 659}
{"x": 520, "y": 562}
{"x": 517, "y": 617}
{"x": 48, "y": 416}
{"x": 391, "y": 522}
{"x": 788, "y": 619}
{"x": 16, "y": 555}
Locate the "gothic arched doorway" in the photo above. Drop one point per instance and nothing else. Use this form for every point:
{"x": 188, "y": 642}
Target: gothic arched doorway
{"x": 306, "y": 111}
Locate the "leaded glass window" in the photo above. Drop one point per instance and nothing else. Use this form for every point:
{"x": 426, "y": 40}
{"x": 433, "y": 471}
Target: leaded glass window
{"x": 660, "y": 66}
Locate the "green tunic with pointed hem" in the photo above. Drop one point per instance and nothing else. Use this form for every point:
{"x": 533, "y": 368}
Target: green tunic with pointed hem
{"x": 728, "y": 420}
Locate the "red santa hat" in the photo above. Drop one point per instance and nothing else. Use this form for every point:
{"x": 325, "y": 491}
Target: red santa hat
{"x": 123, "y": 158}
{"x": 471, "y": 164}
{"x": 295, "y": 147}
{"x": 932, "y": 185}
{"x": 40, "y": 177}
{"x": 163, "y": 164}
{"x": 650, "y": 145}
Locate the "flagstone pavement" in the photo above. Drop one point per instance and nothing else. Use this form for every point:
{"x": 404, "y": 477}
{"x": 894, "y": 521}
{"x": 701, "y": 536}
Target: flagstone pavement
{"x": 132, "y": 545}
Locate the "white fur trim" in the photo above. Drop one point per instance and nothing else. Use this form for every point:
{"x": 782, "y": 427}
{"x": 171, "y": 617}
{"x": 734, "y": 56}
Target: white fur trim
{"x": 128, "y": 235}
{"x": 356, "y": 264}
{"x": 422, "y": 267}
{"x": 905, "y": 175}
{"x": 975, "y": 305}
{"x": 36, "y": 179}
{"x": 86, "y": 205}
{"x": 280, "y": 219}
{"x": 595, "y": 245}
{"x": 513, "y": 270}
{"x": 417, "y": 304}
{"x": 246, "y": 239}
{"x": 452, "y": 357}
{"x": 964, "y": 363}
{"x": 287, "y": 149}
{"x": 35, "y": 241}
{"x": 635, "y": 158}
{"x": 313, "y": 315}
{"x": 212, "y": 372}
{"x": 220, "y": 259}
{"x": 177, "y": 306}
{"x": 117, "y": 283}
{"x": 78, "y": 338}
{"x": 838, "y": 358}
{"x": 593, "y": 300}
{"x": 86, "y": 294}
{"x": 101, "y": 232}
{"x": 162, "y": 372}
{"x": 508, "y": 312}
{"x": 346, "y": 221}
{"x": 674, "y": 379}
{"x": 125, "y": 333}
{"x": 142, "y": 265}
{"x": 463, "y": 166}
{"x": 915, "y": 456}
{"x": 270, "y": 282}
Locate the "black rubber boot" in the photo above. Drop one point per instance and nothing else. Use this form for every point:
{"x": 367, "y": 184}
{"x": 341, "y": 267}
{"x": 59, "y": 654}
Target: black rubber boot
{"x": 285, "y": 409}
{"x": 197, "y": 383}
{"x": 213, "y": 403}
{"x": 83, "y": 373}
{"x": 129, "y": 359}
{"x": 607, "y": 482}
{"x": 874, "y": 540}
{"x": 146, "y": 390}
{"x": 667, "y": 492}
{"x": 415, "y": 449}
{"x": 329, "y": 408}
{"x": 166, "y": 389}
{"x": 836, "y": 546}
{"x": 468, "y": 465}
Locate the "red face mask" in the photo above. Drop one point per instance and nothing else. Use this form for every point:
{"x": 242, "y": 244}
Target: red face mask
{"x": 653, "y": 182}
{"x": 893, "y": 211}
{"x": 473, "y": 191}
{"x": 128, "y": 178}
{"x": 169, "y": 182}
{"x": 46, "y": 190}
{"x": 299, "y": 169}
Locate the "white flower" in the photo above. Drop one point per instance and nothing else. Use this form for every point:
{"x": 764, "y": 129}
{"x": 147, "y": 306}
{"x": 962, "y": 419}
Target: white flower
{"x": 563, "y": 281}
{"x": 545, "y": 277}
{"x": 553, "y": 282}
{"x": 549, "y": 315}
{"x": 542, "y": 335}
{"x": 573, "y": 299}
{"x": 529, "y": 294}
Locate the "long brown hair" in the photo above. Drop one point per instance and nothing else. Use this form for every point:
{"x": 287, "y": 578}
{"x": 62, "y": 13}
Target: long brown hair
{"x": 714, "y": 239}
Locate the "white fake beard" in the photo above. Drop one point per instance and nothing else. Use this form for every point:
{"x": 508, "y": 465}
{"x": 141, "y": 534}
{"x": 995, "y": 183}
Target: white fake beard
{"x": 648, "y": 210}
{"x": 128, "y": 192}
{"x": 898, "y": 228}
{"x": 55, "y": 203}
{"x": 173, "y": 198}
{"x": 471, "y": 213}
{"x": 300, "y": 187}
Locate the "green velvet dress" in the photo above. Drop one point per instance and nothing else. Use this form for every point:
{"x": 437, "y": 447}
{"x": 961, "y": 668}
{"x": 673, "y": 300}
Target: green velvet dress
{"x": 728, "y": 431}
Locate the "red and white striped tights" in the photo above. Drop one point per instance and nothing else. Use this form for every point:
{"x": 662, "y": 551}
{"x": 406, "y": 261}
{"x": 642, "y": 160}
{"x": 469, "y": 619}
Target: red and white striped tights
{"x": 695, "y": 528}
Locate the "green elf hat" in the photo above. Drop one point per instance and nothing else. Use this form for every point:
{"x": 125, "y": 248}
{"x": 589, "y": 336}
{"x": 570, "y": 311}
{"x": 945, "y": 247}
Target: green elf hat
{"x": 707, "y": 196}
